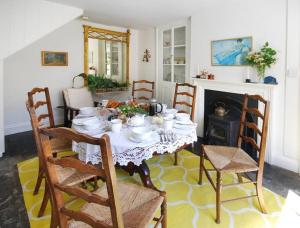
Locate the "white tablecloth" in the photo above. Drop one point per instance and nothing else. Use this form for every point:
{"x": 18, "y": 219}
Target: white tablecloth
{"x": 125, "y": 150}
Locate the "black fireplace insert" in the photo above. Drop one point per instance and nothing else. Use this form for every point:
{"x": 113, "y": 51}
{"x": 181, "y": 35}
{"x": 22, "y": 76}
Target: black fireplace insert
{"x": 224, "y": 130}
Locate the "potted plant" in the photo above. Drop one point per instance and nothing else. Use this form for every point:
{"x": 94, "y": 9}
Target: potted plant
{"x": 261, "y": 60}
{"x": 101, "y": 84}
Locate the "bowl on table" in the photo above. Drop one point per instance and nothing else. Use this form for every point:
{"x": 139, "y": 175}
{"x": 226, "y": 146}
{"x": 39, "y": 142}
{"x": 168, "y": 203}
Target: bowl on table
{"x": 170, "y": 112}
{"x": 140, "y": 133}
{"x": 183, "y": 117}
{"x": 87, "y": 111}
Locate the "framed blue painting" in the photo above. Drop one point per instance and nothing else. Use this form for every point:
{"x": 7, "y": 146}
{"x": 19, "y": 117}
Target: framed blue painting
{"x": 230, "y": 52}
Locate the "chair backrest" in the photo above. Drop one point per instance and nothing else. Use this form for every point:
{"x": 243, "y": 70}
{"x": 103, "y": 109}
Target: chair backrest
{"x": 78, "y": 97}
{"x": 35, "y": 126}
{"x": 182, "y": 90}
{"x": 260, "y": 131}
{"x": 149, "y": 88}
{"x": 39, "y": 104}
{"x": 107, "y": 172}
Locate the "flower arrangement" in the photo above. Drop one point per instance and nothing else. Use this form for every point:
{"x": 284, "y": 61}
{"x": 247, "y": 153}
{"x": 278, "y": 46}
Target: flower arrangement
{"x": 262, "y": 59}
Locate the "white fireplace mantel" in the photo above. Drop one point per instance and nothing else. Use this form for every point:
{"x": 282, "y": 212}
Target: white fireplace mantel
{"x": 266, "y": 91}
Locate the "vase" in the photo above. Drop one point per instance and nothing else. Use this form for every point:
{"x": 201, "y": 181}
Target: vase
{"x": 260, "y": 74}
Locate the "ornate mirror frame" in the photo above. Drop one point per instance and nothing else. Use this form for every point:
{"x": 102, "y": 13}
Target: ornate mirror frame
{"x": 108, "y": 35}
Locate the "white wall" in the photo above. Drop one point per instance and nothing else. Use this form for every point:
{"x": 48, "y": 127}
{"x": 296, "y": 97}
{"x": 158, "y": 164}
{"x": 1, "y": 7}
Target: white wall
{"x": 23, "y": 71}
{"x": 23, "y": 22}
{"x": 147, "y": 41}
{"x": 264, "y": 21}
{"x": 1, "y": 110}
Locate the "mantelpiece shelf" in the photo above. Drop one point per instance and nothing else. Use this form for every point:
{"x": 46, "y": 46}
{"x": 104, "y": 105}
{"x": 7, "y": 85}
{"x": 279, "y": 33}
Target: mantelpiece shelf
{"x": 206, "y": 81}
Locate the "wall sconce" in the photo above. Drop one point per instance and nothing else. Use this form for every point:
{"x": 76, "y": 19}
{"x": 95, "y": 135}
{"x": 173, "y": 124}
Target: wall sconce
{"x": 147, "y": 56}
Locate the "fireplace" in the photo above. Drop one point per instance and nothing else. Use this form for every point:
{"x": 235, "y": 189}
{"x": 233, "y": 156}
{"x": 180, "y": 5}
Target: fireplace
{"x": 224, "y": 130}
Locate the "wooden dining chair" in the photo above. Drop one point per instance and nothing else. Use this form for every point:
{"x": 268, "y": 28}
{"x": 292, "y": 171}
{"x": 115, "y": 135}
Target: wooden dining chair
{"x": 44, "y": 120}
{"x": 185, "y": 95}
{"x": 115, "y": 204}
{"x": 67, "y": 176}
{"x": 235, "y": 159}
{"x": 147, "y": 87}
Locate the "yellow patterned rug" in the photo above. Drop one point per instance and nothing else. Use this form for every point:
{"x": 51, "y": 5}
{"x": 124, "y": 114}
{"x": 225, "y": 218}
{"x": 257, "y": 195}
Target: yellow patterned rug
{"x": 189, "y": 205}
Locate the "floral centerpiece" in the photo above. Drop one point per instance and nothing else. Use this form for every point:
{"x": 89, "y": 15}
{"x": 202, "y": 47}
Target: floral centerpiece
{"x": 261, "y": 60}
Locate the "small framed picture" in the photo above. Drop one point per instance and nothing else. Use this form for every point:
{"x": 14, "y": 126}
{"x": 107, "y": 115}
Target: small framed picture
{"x": 230, "y": 52}
{"x": 54, "y": 58}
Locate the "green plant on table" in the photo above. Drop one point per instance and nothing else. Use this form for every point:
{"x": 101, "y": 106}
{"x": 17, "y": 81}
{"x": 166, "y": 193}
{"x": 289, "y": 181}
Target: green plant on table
{"x": 131, "y": 109}
{"x": 262, "y": 59}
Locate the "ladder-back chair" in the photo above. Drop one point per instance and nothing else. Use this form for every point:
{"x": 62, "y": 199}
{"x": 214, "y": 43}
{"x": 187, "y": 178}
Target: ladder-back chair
{"x": 147, "y": 87}
{"x": 235, "y": 159}
{"x": 187, "y": 95}
{"x": 67, "y": 176}
{"x": 183, "y": 90}
{"x": 115, "y": 204}
{"x": 57, "y": 145}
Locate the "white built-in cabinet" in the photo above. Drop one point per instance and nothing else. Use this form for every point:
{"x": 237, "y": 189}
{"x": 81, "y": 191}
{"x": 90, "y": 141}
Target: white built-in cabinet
{"x": 173, "y": 61}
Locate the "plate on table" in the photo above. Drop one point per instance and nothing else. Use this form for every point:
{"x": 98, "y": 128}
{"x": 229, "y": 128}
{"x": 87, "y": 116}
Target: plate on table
{"x": 148, "y": 139}
{"x": 188, "y": 122}
{"x": 185, "y": 126}
{"x": 93, "y": 132}
{"x": 81, "y": 121}
{"x": 79, "y": 116}
{"x": 135, "y": 125}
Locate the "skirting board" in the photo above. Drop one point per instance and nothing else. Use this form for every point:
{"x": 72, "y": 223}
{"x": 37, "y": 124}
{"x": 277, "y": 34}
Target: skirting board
{"x": 286, "y": 163}
{"x": 22, "y": 127}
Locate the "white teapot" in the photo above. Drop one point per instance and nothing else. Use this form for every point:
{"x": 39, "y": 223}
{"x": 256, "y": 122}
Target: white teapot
{"x": 136, "y": 120}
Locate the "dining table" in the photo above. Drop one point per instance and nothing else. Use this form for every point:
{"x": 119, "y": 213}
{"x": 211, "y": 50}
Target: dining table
{"x": 129, "y": 154}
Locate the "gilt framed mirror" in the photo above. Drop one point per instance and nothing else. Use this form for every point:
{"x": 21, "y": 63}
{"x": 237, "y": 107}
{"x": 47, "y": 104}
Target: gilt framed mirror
{"x": 106, "y": 53}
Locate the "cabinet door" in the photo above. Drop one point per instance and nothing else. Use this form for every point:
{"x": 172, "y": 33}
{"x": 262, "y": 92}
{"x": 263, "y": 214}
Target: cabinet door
{"x": 179, "y": 54}
{"x": 172, "y": 62}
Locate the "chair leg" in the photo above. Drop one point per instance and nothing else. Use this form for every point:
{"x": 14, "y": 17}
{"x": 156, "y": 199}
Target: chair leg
{"x": 164, "y": 212}
{"x": 193, "y": 147}
{"x": 95, "y": 183}
{"x": 218, "y": 198}
{"x": 176, "y": 158}
{"x": 54, "y": 222}
{"x": 260, "y": 196}
{"x": 201, "y": 166}
{"x": 45, "y": 201}
{"x": 240, "y": 178}
{"x": 39, "y": 180}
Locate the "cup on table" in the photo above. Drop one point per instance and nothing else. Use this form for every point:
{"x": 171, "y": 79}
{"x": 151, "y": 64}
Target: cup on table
{"x": 168, "y": 123}
{"x": 116, "y": 125}
{"x": 164, "y": 108}
{"x": 104, "y": 103}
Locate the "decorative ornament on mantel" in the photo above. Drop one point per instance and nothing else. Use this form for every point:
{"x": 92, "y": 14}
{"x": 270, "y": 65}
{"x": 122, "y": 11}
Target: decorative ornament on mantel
{"x": 261, "y": 60}
{"x": 147, "y": 55}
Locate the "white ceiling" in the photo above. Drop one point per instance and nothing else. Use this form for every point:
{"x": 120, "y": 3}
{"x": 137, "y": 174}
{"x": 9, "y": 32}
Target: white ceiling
{"x": 136, "y": 13}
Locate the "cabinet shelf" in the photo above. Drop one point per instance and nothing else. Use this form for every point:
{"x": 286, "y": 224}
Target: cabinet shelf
{"x": 179, "y": 45}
